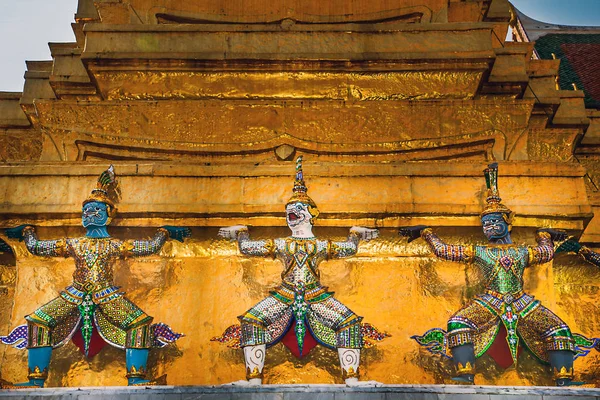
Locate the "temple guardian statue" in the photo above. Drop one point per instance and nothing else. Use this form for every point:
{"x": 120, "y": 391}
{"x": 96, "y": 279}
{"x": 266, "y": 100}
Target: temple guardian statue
{"x": 301, "y": 308}
{"x": 92, "y": 311}
{"x": 504, "y": 306}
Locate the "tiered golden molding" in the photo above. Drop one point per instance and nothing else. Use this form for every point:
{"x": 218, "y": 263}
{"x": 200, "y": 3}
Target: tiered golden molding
{"x": 384, "y": 195}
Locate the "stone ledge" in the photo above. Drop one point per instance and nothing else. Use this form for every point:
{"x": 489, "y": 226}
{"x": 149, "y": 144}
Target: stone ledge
{"x": 320, "y": 392}
{"x": 518, "y": 169}
{"x": 438, "y": 194}
{"x": 109, "y": 43}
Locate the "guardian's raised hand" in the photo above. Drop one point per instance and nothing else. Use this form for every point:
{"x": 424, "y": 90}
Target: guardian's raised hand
{"x": 411, "y": 232}
{"x": 178, "y": 233}
{"x": 231, "y": 232}
{"x": 556, "y": 235}
{"x": 16, "y": 232}
{"x": 366, "y": 234}
{"x": 569, "y": 246}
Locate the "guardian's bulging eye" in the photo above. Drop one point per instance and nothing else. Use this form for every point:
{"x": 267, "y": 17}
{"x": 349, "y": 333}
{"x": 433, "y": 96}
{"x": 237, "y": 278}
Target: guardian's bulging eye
{"x": 492, "y": 222}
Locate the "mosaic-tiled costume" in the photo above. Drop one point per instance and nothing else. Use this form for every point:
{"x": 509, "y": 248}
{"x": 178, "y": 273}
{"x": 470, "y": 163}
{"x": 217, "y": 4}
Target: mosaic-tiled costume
{"x": 504, "y": 306}
{"x": 92, "y": 311}
{"x": 504, "y": 301}
{"x": 300, "y": 297}
{"x": 300, "y": 306}
{"x": 92, "y": 299}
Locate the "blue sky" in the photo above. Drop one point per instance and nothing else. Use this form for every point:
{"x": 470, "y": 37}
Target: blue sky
{"x": 566, "y": 12}
{"x": 26, "y": 27}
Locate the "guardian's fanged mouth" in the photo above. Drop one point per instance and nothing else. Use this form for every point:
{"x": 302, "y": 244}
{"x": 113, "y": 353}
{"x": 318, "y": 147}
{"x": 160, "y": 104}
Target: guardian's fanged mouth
{"x": 293, "y": 216}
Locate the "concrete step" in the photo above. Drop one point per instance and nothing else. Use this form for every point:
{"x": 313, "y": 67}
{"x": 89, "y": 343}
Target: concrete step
{"x": 307, "y": 392}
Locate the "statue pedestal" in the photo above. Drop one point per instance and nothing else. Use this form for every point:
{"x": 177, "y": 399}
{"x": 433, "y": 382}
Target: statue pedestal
{"x": 295, "y": 392}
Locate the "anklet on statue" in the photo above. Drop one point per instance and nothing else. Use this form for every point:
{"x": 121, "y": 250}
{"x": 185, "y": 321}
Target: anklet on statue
{"x": 160, "y": 381}
{"x": 466, "y": 378}
{"x": 25, "y": 385}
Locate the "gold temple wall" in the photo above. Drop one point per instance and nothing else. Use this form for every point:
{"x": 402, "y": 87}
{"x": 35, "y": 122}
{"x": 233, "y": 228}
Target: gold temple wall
{"x": 201, "y": 286}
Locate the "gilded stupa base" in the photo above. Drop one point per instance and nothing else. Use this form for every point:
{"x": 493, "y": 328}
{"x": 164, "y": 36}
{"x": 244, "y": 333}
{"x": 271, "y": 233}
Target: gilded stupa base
{"x": 202, "y": 107}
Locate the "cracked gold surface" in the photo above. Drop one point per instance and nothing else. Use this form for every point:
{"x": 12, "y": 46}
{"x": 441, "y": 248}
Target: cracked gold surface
{"x": 202, "y": 128}
{"x": 20, "y": 145}
{"x": 552, "y": 144}
{"x": 366, "y": 86}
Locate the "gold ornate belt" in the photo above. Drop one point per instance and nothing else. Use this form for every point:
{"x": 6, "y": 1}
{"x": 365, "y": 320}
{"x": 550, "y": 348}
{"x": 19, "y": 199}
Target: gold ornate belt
{"x": 506, "y": 297}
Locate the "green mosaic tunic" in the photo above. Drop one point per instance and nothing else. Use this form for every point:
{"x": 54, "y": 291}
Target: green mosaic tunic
{"x": 504, "y": 301}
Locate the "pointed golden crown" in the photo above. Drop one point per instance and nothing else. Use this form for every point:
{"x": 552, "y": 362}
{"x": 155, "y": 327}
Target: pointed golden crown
{"x": 300, "y": 190}
{"x": 107, "y": 190}
{"x": 493, "y": 200}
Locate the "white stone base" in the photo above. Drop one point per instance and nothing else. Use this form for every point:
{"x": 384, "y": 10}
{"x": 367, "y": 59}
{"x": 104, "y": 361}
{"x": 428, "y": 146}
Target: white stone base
{"x": 307, "y": 392}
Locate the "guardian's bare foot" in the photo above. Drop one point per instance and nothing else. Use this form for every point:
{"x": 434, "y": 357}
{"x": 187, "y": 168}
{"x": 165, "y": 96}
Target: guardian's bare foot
{"x": 251, "y": 382}
{"x": 354, "y": 382}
